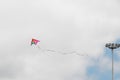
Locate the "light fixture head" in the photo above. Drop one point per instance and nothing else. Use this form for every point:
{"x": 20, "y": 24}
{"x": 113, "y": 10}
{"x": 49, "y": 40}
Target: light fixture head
{"x": 112, "y": 45}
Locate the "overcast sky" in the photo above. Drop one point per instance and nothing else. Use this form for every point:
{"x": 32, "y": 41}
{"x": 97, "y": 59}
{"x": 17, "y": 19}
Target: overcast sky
{"x": 62, "y": 25}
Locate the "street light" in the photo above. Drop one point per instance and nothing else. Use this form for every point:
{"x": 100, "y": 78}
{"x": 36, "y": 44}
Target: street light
{"x": 112, "y": 46}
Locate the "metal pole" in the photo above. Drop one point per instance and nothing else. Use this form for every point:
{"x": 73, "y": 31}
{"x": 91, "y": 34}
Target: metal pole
{"x": 112, "y": 65}
{"x": 112, "y": 46}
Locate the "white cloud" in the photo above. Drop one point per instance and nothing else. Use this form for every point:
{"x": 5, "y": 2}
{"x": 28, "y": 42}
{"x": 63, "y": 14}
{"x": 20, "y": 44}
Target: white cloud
{"x": 83, "y": 26}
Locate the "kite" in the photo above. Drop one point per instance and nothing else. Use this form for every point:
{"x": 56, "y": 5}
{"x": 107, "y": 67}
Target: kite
{"x": 34, "y": 41}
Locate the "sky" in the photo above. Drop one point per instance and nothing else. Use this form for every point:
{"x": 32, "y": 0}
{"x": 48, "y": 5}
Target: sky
{"x": 84, "y": 26}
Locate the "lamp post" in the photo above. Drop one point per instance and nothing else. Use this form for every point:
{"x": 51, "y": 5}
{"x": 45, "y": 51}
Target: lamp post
{"x": 112, "y": 46}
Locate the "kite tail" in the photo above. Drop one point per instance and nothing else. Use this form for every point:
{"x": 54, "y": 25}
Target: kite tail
{"x": 77, "y": 53}
{"x": 63, "y": 53}
{"x": 81, "y": 54}
{"x": 50, "y": 50}
{"x": 41, "y": 49}
{"x": 38, "y": 47}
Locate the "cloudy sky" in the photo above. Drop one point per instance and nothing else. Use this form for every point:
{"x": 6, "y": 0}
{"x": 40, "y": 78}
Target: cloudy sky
{"x": 83, "y": 26}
